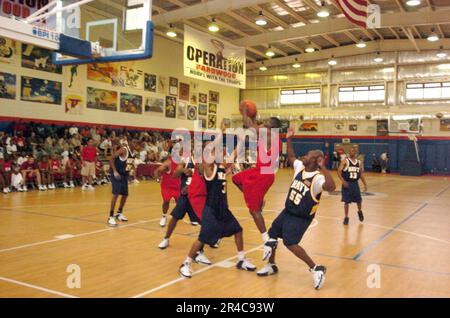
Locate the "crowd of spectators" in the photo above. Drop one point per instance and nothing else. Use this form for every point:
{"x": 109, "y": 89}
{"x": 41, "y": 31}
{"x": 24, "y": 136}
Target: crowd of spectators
{"x": 46, "y": 156}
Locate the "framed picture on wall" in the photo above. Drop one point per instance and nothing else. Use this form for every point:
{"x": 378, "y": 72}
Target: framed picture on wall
{"x": 182, "y": 108}
{"x": 382, "y": 127}
{"x": 162, "y": 87}
{"x": 39, "y": 59}
{"x": 150, "y": 82}
{"x": 8, "y": 50}
{"x": 171, "y": 107}
{"x": 212, "y": 108}
{"x": 103, "y": 72}
{"x": 203, "y": 120}
{"x": 184, "y": 91}
{"x": 73, "y": 104}
{"x": 445, "y": 125}
{"x": 202, "y": 98}
{"x": 193, "y": 99}
{"x": 212, "y": 121}
{"x": 7, "y": 85}
{"x": 101, "y": 99}
{"x": 39, "y": 90}
{"x": 173, "y": 86}
{"x": 154, "y": 106}
{"x": 214, "y": 97}
{"x": 353, "y": 127}
{"x": 192, "y": 112}
{"x": 202, "y": 109}
{"x": 308, "y": 126}
{"x": 130, "y": 103}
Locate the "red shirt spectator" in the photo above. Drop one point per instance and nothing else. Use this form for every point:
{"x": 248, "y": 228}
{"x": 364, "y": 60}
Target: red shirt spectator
{"x": 85, "y": 132}
{"x": 6, "y": 165}
{"x": 28, "y": 165}
{"x": 89, "y": 152}
{"x": 19, "y": 141}
{"x": 43, "y": 165}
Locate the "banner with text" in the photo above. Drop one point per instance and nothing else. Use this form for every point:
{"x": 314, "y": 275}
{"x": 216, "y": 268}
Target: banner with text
{"x": 213, "y": 60}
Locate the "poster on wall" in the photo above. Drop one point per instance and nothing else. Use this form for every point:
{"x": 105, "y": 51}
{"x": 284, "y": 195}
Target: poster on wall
{"x": 184, "y": 91}
{"x": 73, "y": 78}
{"x": 8, "y": 50}
{"x": 192, "y": 112}
{"x": 212, "y": 119}
{"x": 203, "y": 120}
{"x": 214, "y": 97}
{"x": 130, "y": 103}
{"x": 202, "y": 109}
{"x": 353, "y": 127}
{"x": 41, "y": 91}
{"x": 193, "y": 99}
{"x": 103, "y": 72}
{"x": 182, "y": 108}
{"x": 445, "y": 125}
{"x": 150, "y": 82}
{"x": 202, "y": 98}
{"x": 101, "y": 99}
{"x": 338, "y": 127}
{"x": 163, "y": 84}
{"x": 40, "y": 59}
{"x": 154, "y": 106}
{"x": 210, "y": 59}
{"x": 73, "y": 104}
{"x": 7, "y": 85}
{"x": 308, "y": 126}
{"x": 173, "y": 86}
{"x": 171, "y": 107}
{"x": 130, "y": 77}
{"x": 382, "y": 127}
{"x": 212, "y": 109}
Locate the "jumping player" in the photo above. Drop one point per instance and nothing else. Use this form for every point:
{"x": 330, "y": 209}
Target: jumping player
{"x": 350, "y": 171}
{"x": 121, "y": 163}
{"x": 310, "y": 178}
{"x": 217, "y": 219}
{"x": 253, "y": 182}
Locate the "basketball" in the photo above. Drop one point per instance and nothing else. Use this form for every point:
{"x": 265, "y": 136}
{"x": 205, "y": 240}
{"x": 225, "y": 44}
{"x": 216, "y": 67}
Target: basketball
{"x": 250, "y": 106}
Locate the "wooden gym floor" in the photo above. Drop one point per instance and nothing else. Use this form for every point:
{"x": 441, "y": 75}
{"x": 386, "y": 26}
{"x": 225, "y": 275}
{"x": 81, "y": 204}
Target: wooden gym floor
{"x": 406, "y": 233}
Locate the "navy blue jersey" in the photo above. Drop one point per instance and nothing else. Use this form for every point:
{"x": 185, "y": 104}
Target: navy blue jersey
{"x": 184, "y": 179}
{"x": 216, "y": 188}
{"x": 301, "y": 201}
{"x": 351, "y": 171}
{"x": 124, "y": 165}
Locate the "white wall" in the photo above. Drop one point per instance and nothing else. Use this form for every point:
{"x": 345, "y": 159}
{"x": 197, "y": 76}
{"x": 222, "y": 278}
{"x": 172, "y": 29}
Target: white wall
{"x": 167, "y": 61}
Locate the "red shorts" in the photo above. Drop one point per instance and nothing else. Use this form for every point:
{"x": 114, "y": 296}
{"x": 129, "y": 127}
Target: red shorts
{"x": 169, "y": 193}
{"x": 254, "y": 186}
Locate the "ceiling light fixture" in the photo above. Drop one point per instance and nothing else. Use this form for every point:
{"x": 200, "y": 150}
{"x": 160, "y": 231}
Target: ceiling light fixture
{"x": 270, "y": 52}
{"x": 323, "y": 12}
{"x": 441, "y": 54}
{"x": 378, "y": 58}
{"x": 213, "y": 27}
{"x": 309, "y": 48}
{"x": 296, "y": 64}
{"x": 413, "y": 3}
{"x": 433, "y": 37}
{"x": 332, "y": 61}
{"x": 171, "y": 32}
{"x": 361, "y": 44}
{"x": 261, "y": 20}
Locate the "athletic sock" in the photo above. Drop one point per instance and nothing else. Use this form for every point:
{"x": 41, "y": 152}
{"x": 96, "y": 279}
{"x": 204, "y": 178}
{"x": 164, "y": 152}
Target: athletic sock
{"x": 265, "y": 237}
{"x": 241, "y": 255}
{"x": 188, "y": 260}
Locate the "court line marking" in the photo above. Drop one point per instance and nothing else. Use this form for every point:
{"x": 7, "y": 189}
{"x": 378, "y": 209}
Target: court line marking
{"x": 174, "y": 281}
{"x": 382, "y": 237}
{"x": 76, "y": 235}
{"x": 47, "y": 290}
{"x": 443, "y": 191}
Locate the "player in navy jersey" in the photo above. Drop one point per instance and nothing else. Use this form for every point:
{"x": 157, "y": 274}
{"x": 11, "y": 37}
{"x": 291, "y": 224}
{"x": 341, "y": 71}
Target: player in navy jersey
{"x": 121, "y": 163}
{"x": 217, "y": 219}
{"x": 350, "y": 171}
{"x": 310, "y": 178}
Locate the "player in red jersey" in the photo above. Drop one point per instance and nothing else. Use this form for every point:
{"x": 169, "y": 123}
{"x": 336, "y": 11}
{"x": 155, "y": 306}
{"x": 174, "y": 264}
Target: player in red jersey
{"x": 255, "y": 182}
{"x": 170, "y": 186}
{"x": 5, "y": 173}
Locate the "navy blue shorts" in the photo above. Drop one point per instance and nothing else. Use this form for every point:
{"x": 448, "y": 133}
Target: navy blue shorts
{"x": 288, "y": 227}
{"x": 352, "y": 193}
{"x": 214, "y": 229}
{"x": 182, "y": 208}
{"x": 119, "y": 187}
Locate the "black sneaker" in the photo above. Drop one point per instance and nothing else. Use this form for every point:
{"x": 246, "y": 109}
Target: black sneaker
{"x": 346, "y": 220}
{"x": 361, "y": 216}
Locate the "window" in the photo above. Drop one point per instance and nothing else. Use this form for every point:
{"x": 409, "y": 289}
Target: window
{"x": 371, "y": 93}
{"x": 300, "y": 96}
{"x": 134, "y": 15}
{"x": 438, "y": 90}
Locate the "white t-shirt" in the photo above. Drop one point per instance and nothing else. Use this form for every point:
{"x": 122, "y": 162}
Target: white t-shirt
{"x": 143, "y": 155}
{"x": 318, "y": 181}
{"x": 16, "y": 180}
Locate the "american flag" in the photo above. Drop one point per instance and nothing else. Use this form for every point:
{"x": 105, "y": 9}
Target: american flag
{"x": 355, "y": 11}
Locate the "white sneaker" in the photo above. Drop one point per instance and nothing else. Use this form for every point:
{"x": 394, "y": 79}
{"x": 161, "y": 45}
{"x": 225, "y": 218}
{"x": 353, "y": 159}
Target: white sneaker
{"x": 163, "y": 221}
{"x": 72, "y": 185}
{"x": 269, "y": 247}
{"x": 90, "y": 187}
{"x": 112, "y": 221}
{"x": 268, "y": 269}
{"x": 164, "y": 244}
{"x": 245, "y": 265}
{"x": 194, "y": 223}
{"x": 65, "y": 185}
{"x": 122, "y": 218}
{"x": 202, "y": 259}
{"x": 185, "y": 270}
{"x": 9, "y": 189}
{"x": 318, "y": 275}
{"x": 84, "y": 187}
{"x": 24, "y": 189}
{"x": 136, "y": 181}
{"x": 5, "y": 191}
{"x": 41, "y": 188}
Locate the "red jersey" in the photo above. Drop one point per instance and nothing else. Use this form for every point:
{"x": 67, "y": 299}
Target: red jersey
{"x": 197, "y": 193}
{"x": 89, "y": 153}
{"x": 6, "y": 165}
{"x": 29, "y": 166}
{"x": 170, "y": 185}
{"x": 43, "y": 165}
{"x": 266, "y": 161}
{"x": 55, "y": 164}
